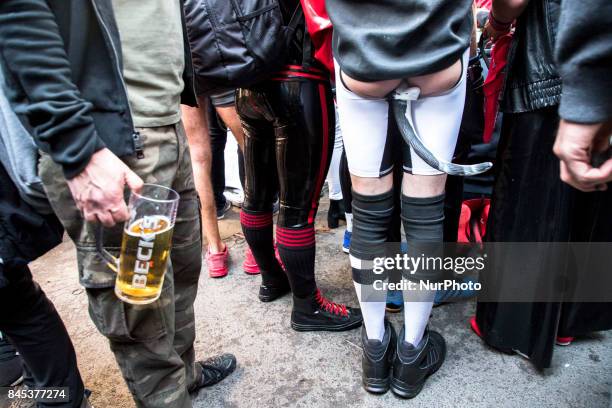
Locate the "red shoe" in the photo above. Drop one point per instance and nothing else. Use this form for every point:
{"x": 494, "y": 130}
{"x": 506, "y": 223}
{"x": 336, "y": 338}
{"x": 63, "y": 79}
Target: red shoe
{"x": 249, "y": 265}
{"x": 217, "y": 263}
{"x": 475, "y": 327}
{"x": 564, "y": 341}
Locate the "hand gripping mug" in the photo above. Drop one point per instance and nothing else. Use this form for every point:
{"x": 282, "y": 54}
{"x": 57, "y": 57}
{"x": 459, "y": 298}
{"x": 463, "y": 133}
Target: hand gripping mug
{"x": 146, "y": 244}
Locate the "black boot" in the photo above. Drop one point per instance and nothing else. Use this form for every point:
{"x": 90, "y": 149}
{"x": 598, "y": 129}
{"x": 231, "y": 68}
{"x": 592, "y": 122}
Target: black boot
{"x": 377, "y": 360}
{"x": 316, "y": 313}
{"x": 413, "y": 365}
{"x": 335, "y": 213}
{"x": 270, "y": 290}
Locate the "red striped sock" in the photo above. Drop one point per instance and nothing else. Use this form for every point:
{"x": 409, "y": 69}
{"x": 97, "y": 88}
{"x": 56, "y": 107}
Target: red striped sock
{"x": 258, "y": 231}
{"x": 296, "y": 247}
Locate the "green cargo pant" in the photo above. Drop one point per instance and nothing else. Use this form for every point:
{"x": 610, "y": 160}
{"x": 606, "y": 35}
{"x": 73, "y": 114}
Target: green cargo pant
{"x": 153, "y": 344}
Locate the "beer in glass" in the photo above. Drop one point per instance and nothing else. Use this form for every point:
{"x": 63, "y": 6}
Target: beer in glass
{"x": 146, "y": 244}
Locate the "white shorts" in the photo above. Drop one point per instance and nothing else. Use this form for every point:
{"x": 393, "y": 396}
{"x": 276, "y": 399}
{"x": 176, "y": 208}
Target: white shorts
{"x": 368, "y": 129}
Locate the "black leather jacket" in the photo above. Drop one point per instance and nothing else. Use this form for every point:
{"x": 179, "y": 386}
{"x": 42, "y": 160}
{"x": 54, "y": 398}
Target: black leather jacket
{"x": 62, "y": 63}
{"x": 532, "y": 80}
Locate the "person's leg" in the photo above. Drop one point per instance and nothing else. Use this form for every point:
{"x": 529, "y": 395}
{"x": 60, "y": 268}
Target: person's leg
{"x": 158, "y": 360}
{"x": 229, "y": 116}
{"x": 436, "y": 115}
{"x": 260, "y": 187}
{"x": 347, "y": 186}
{"x": 30, "y": 321}
{"x": 224, "y": 102}
{"x": 303, "y": 159}
{"x": 196, "y": 127}
{"x": 241, "y": 171}
{"x": 235, "y": 123}
{"x": 333, "y": 175}
{"x": 11, "y": 364}
{"x": 225, "y": 106}
{"x": 142, "y": 337}
{"x": 218, "y": 139}
{"x": 423, "y": 219}
{"x": 336, "y": 211}
{"x": 347, "y": 198}
{"x": 304, "y": 144}
{"x": 437, "y": 118}
{"x": 364, "y": 122}
{"x": 186, "y": 258}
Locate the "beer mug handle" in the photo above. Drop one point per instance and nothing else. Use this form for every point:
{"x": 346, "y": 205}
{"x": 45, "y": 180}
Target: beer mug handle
{"x": 110, "y": 260}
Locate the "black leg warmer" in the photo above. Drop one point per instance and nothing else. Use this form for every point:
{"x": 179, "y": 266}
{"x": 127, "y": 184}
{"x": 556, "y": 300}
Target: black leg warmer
{"x": 423, "y": 219}
{"x": 371, "y": 221}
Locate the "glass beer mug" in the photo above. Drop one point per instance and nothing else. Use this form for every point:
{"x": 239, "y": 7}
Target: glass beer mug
{"x": 146, "y": 244}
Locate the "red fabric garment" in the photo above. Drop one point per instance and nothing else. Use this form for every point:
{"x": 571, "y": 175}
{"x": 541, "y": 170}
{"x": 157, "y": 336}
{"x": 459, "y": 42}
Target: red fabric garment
{"x": 319, "y": 28}
{"x": 486, "y": 4}
{"x": 473, "y": 220}
{"x": 494, "y": 83}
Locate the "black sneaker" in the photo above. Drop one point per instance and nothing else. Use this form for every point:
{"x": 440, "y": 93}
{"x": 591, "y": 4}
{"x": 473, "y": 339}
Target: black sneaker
{"x": 377, "y": 360}
{"x": 413, "y": 365}
{"x": 316, "y": 313}
{"x": 215, "y": 369}
{"x": 11, "y": 364}
{"x": 272, "y": 290}
{"x": 223, "y": 210}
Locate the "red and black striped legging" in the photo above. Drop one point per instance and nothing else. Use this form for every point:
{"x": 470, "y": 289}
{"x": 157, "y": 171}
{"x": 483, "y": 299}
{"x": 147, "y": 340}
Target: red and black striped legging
{"x": 289, "y": 132}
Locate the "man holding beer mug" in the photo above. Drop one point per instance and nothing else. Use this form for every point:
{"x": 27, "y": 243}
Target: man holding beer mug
{"x": 95, "y": 81}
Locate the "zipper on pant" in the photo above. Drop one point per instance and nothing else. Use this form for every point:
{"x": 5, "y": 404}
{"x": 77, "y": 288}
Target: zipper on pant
{"x": 136, "y": 139}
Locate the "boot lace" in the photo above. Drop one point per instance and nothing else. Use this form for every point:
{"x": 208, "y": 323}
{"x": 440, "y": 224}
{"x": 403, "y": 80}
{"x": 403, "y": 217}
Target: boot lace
{"x": 331, "y": 307}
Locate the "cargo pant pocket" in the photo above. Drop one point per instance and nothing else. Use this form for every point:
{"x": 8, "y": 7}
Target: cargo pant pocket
{"x": 126, "y": 323}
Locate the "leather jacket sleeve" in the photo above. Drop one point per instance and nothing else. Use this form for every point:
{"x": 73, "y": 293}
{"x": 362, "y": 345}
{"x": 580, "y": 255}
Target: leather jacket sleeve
{"x": 584, "y": 58}
{"x": 40, "y": 85}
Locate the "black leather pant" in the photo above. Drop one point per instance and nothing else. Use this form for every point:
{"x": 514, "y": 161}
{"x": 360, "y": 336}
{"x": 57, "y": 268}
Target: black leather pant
{"x": 289, "y": 138}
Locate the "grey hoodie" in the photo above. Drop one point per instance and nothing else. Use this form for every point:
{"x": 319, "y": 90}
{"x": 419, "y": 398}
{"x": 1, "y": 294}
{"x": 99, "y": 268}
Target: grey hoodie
{"x": 19, "y": 155}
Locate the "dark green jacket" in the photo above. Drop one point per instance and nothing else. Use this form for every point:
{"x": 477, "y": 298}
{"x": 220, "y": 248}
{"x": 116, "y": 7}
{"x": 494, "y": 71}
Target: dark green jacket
{"x": 62, "y": 63}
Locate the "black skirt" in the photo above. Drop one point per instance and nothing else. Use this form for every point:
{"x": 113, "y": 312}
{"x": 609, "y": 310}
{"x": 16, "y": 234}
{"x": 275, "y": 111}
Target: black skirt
{"x": 531, "y": 204}
{"x": 394, "y": 39}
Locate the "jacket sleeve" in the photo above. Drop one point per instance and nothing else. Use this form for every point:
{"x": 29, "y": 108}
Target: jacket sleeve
{"x": 33, "y": 53}
{"x": 584, "y": 57}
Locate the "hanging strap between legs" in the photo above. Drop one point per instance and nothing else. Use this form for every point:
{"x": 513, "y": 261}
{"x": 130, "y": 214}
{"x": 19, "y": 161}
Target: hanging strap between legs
{"x": 401, "y": 103}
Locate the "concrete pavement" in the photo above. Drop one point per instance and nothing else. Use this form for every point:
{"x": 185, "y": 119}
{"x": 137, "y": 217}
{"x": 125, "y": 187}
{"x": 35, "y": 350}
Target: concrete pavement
{"x": 278, "y": 367}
